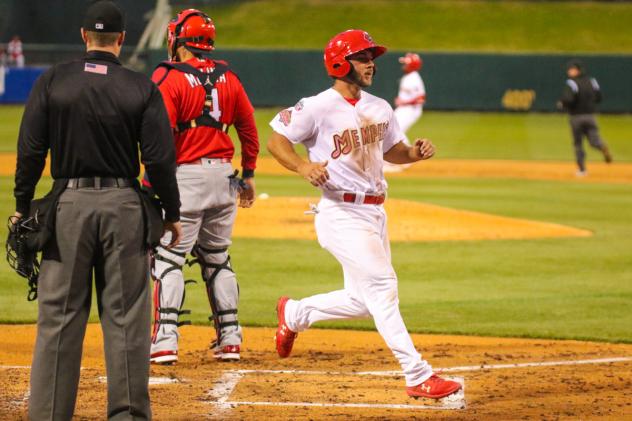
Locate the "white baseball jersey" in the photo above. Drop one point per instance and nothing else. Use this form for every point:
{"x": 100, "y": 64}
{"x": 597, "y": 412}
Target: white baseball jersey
{"x": 353, "y": 139}
{"x": 411, "y": 87}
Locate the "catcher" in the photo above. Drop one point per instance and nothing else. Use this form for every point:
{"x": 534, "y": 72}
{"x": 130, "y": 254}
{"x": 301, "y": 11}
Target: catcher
{"x": 203, "y": 98}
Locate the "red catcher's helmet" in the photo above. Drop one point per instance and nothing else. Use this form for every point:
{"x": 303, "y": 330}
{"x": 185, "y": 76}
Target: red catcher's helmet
{"x": 412, "y": 62}
{"x": 193, "y": 29}
{"x": 345, "y": 44}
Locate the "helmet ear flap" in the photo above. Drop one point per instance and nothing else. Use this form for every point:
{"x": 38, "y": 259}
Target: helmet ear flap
{"x": 342, "y": 69}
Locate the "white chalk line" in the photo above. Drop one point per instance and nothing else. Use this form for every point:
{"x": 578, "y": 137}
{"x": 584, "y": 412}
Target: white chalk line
{"x": 21, "y": 402}
{"x": 346, "y": 405}
{"x": 453, "y": 402}
{"x": 443, "y": 370}
{"x": 153, "y": 381}
{"x": 223, "y": 388}
{"x": 228, "y": 381}
{"x": 399, "y": 373}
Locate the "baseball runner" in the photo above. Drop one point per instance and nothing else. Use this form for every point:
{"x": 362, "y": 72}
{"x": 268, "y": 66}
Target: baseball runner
{"x": 203, "y": 98}
{"x": 348, "y": 134}
{"x": 410, "y": 99}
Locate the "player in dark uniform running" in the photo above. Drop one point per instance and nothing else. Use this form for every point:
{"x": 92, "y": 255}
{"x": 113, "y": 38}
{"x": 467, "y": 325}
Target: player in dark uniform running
{"x": 580, "y": 97}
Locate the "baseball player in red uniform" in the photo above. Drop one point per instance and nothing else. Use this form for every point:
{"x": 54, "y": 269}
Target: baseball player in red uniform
{"x": 204, "y": 98}
{"x": 348, "y": 134}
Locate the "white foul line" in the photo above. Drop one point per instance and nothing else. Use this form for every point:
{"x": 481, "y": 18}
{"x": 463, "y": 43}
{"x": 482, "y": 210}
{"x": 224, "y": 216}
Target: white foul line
{"x": 399, "y": 373}
{"x": 153, "y": 381}
{"x": 443, "y": 370}
{"x": 537, "y": 364}
{"x": 348, "y": 405}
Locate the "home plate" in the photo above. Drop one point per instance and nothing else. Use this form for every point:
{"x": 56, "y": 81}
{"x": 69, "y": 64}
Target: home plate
{"x": 456, "y": 400}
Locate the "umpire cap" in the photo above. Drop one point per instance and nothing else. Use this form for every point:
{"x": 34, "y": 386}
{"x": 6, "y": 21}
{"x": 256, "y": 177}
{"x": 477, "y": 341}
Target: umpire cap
{"x": 104, "y": 16}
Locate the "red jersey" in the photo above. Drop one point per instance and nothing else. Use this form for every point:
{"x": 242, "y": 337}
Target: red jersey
{"x": 183, "y": 95}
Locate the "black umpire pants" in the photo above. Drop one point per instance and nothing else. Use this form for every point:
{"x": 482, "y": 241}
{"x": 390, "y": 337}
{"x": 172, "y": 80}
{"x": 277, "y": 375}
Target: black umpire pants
{"x": 99, "y": 232}
{"x": 584, "y": 125}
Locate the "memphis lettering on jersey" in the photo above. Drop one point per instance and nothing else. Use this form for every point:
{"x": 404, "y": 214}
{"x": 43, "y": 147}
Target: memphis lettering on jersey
{"x": 352, "y": 139}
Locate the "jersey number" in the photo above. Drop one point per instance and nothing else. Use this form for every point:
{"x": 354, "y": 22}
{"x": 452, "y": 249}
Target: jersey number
{"x": 215, "y": 112}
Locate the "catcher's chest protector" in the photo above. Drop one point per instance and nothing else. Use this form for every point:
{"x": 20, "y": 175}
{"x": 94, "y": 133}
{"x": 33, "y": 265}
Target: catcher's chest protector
{"x": 208, "y": 81}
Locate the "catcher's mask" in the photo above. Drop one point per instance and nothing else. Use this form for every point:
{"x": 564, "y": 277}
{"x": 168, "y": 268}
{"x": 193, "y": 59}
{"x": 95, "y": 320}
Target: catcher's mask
{"x": 194, "y": 30}
{"x": 20, "y": 254}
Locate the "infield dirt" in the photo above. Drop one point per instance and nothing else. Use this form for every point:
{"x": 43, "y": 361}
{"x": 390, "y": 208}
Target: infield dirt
{"x": 598, "y": 172}
{"x": 572, "y": 391}
{"x": 320, "y": 380}
{"x": 285, "y": 217}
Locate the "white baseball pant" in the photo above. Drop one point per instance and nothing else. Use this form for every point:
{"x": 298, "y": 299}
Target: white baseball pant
{"x": 357, "y": 237}
{"x": 207, "y": 215}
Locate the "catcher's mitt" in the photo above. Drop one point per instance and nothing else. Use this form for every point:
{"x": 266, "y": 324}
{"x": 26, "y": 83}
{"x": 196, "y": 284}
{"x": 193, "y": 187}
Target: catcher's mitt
{"x": 19, "y": 255}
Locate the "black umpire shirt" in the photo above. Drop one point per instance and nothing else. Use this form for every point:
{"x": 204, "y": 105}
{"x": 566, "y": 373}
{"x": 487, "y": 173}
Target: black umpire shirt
{"x": 92, "y": 114}
{"x": 581, "y": 94}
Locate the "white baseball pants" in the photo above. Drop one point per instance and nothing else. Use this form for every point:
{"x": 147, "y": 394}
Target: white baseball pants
{"x": 357, "y": 237}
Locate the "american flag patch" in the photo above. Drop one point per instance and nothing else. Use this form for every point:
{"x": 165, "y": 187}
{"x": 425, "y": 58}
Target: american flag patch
{"x": 96, "y": 68}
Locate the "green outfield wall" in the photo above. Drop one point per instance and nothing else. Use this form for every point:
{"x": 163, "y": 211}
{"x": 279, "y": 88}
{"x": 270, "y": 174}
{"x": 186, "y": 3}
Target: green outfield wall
{"x": 493, "y": 82}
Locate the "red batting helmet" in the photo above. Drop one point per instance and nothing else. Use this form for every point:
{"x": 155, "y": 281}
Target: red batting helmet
{"x": 193, "y": 29}
{"x": 345, "y": 44}
{"x": 411, "y": 61}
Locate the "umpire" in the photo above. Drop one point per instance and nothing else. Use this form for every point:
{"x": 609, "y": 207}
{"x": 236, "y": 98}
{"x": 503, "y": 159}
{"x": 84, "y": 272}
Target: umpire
{"x": 580, "y": 97}
{"x": 93, "y": 114}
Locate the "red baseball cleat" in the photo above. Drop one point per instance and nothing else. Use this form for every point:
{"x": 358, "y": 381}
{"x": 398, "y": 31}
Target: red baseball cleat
{"x": 164, "y": 357}
{"x": 434, "y": 388}
{"x": 227, "y": 353}
{"x": 284, "y": 336}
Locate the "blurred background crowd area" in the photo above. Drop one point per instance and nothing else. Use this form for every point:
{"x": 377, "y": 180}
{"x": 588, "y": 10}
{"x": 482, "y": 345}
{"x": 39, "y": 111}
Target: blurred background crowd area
{"x": 478, "y": 55}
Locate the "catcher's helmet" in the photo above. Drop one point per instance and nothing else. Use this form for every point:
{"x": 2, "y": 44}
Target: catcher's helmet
{"x": 193, "y": 29}
{"x": 412, "y": 62}
{"x": 345, "y": 44}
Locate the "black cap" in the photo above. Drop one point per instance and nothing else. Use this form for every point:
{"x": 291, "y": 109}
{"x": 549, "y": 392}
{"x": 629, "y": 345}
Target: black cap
{"x": 104, "y": 16}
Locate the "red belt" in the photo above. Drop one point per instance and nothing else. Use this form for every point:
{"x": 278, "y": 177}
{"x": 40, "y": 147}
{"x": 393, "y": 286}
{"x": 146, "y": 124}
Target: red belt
{"x": 369, "y": 199}
{"x": 199, "y": 161}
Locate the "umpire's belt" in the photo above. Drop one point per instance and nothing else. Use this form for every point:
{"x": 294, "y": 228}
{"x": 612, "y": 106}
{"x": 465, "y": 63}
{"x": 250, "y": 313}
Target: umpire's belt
{"x": 99, "y": 182}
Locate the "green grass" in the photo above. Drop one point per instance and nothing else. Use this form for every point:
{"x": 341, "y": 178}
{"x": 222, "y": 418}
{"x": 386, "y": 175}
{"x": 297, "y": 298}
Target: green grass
{"x": 447, "y": 25}
{"x": 458, "y": 135}
{"x": 551, "y": 288}
{"x": 10, "y": 117}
